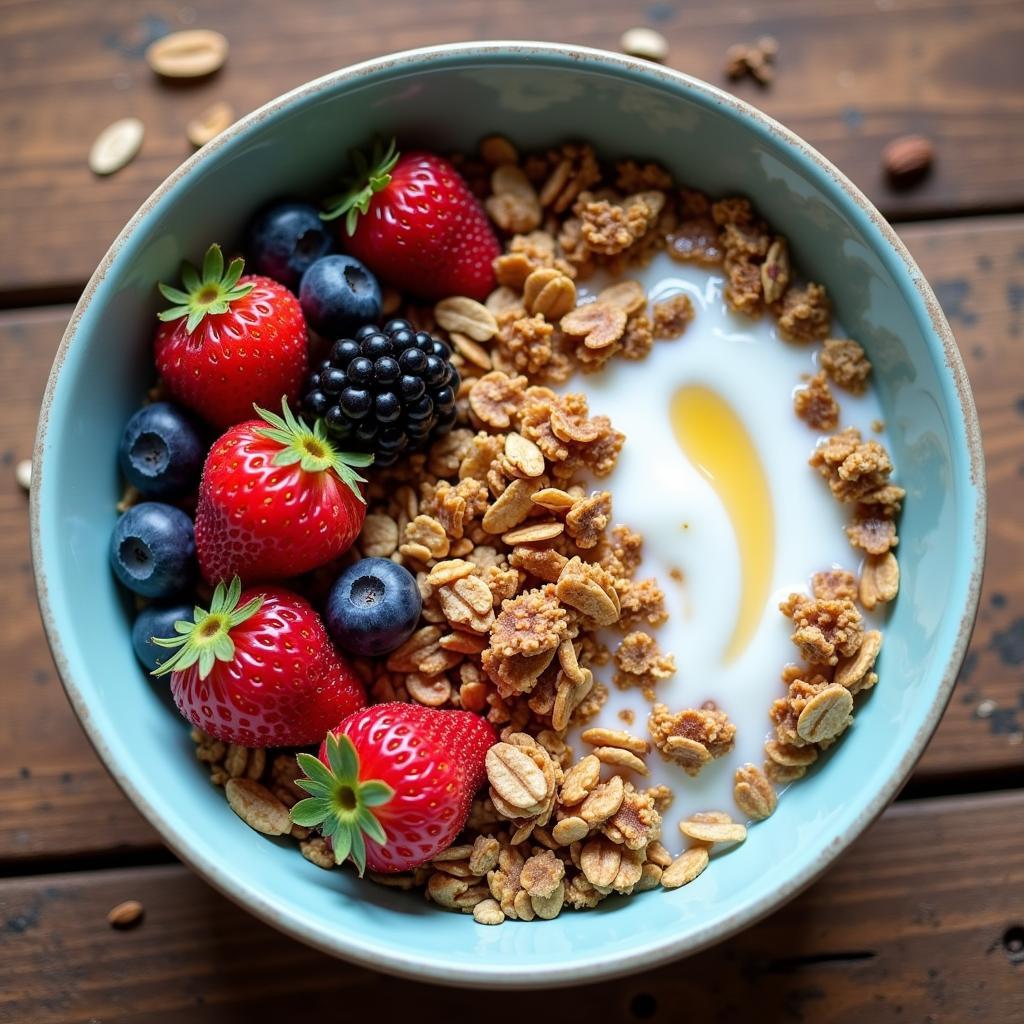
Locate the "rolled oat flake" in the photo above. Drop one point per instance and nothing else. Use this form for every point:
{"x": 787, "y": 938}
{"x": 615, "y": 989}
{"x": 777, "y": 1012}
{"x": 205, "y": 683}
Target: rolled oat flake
{"x": 646, "y": 43}
{"x": 116, "y": 146}
{"x": 209, "y": 123}
{"x": 23, "y": 474}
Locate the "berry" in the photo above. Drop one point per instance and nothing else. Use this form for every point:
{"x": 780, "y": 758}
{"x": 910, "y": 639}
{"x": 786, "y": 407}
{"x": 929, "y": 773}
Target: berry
{"x": 392, "y": 785}
{"x": 161, "y": 452}
{"x": 414, "y": 222}
{"x": 338, "y": 294}
{"x": 373, "y": 607}
{"x": 276, "y": 499}
{"x": 258, "y": 669}
{"x": 156, "y": 620}
{"x": 386, "y": 391}
{"x": 285, "y": 239}
{"x": 153, "y": 549}
{"x": 229, "y": 341}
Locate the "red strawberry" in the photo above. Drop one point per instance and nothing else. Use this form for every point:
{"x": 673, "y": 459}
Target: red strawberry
{"x": 230, "y": 341}
{"x": 422, "y": 228}
{"x": 393, "y": 783}
{"x": 276, "y": 500}
{"x": 258, "y": 669}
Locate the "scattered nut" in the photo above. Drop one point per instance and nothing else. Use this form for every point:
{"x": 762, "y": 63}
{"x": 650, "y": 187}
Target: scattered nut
{"x": 908, "y": 159}
{"x": 193, "y": 53}
{"x": 116, "y": 146}
{"x": 209, "y": 123}
{"x": 646, "y": 43}
{"x": 23, "y": 474}
{"x": 126, "y": 915}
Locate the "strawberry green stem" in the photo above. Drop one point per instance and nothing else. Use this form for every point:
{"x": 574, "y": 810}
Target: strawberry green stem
{"x": 370, "y": 177}
{"x": 210, "y": 291}
{"x": 310, "y": 448}
{"x": 340, "y": 802}
{"x": 207, "y": 639}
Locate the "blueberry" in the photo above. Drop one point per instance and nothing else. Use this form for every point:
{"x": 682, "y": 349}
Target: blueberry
{"x": 161, "y": 452}
{"x": 338, "y": 294}
{"x": 153, "y": 549}
{"x": 284, "y": 240}
{"x": 157, "y": 621}
{"x": 373, "y": 607}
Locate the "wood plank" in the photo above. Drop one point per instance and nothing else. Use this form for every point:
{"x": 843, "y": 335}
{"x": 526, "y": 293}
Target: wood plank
{"x": 977, "y": 270}
{"x": 918, "y": 921}
{"x": 852, "y": 74}
{"x": 56, "y": 800}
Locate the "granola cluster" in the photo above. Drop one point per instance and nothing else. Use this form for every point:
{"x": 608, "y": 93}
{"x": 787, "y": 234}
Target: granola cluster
{"x": 523, "y": 571}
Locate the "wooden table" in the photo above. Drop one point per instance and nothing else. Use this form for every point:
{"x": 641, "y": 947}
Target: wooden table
{"x": 923, "y": 920}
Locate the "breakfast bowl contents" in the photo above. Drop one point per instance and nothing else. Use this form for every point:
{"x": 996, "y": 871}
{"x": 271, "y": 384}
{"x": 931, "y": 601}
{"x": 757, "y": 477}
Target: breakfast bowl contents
{"x": 526, "y": 534}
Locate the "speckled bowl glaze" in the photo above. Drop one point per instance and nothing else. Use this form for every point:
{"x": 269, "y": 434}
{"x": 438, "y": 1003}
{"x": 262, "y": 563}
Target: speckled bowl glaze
{"x": 449, "y": 97}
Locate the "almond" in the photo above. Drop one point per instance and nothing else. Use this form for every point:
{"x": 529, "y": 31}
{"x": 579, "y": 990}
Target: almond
{"x": 194, "y": 53}
{"x": 908, "y": 158}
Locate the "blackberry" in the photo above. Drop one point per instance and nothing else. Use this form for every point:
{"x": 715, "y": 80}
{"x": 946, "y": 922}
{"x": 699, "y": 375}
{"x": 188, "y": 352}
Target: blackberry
{"x": 387, "y": 390}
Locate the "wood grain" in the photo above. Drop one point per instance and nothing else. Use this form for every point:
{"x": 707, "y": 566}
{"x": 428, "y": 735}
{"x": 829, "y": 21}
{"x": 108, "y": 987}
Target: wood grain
{"x": 976, "y": 267}
{"x": 56, "y": 800}
{"x": 918, "y": 922}
{"x": 852, "y": 74}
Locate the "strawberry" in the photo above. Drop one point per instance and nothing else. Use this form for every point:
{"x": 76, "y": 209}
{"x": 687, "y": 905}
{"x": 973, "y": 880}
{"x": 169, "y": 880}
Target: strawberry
{"x": 421, "y": 228}
{"x": 276, "y": 499}
{"x": 258, "y": 669}
{"x": 229, "y": 341}
{"x": 393, "y": 783}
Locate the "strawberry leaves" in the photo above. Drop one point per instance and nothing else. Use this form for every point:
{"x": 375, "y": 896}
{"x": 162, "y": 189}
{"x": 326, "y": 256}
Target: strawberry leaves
{"x": 210, "y": 291}
{"x": 368, "y": 178}
{"x": 207, "y": 639}
{"x": 339, "y": 802}
{"x": 311, "y": 449}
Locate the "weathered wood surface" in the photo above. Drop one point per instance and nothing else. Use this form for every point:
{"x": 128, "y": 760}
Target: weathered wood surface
{"x": 56, "y": 800}
{"x": 920, "y": 921}
{"x": 852, "y": 74}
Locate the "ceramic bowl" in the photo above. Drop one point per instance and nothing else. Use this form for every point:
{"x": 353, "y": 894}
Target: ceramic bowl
{"x": 446, "y": 98}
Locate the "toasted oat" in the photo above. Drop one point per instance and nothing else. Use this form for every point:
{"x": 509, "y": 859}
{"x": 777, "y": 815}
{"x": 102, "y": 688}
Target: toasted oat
{"x": 467, "y": 316}
{"x": 692, "y": 737}
{"x": 853, "y": 468}
{"x": 834, "y": 585}
{"x": 879, "y": 580}
{"x": 753, "y": 793}
{"x": 495, "y": 397}
{"x": 488, "y": 911}
{"x": 588, "y": 517}
{"x": 257, "y": 807}
{"x": 580, "y": 780}
{"x": 671, "y": 316}
{"x": 805, "y": 314}
{"x": 825, "y": 715}
{"x": 713, "y": 831}
{"x": 825, "y": 630}
{"x": 872, "y": 532}
{"x": 846, "y": 364}
{"x": 598, "y": 324}
{"x": 620, "y": 758}
{"x": 514, "y": 778}
{"x": 629, "y": 296}
{"x": 685, "y": 868}
{"x": 815, "y": 404}
{"x": 616, "y": 738}
{"x": 533, "y": 533}
{"x": 589, "y": 589}
{"x": 855, "y": 672}
{"x": 640, "y": 663}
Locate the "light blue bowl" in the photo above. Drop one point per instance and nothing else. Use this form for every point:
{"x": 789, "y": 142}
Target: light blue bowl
{"x": 450, "y": 97}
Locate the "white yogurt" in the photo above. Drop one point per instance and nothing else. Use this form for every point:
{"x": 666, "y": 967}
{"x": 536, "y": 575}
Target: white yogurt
{"x": 658, "y": 492}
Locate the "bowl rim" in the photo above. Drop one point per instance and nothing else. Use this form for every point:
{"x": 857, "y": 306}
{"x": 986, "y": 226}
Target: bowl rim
{"x": 422, "y": 967}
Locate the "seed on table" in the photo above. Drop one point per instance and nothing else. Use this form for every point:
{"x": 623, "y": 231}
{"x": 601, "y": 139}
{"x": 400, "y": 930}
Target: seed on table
{"x": 193, "y": 53}
{"x": 646, "y": 43}
{"x": 908, "y": 159}
{"x": 23, "y": 474}
{"x": 116, "y": 146}
{"x": 126, "y": 915}
{"x": 209, "y": 123}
